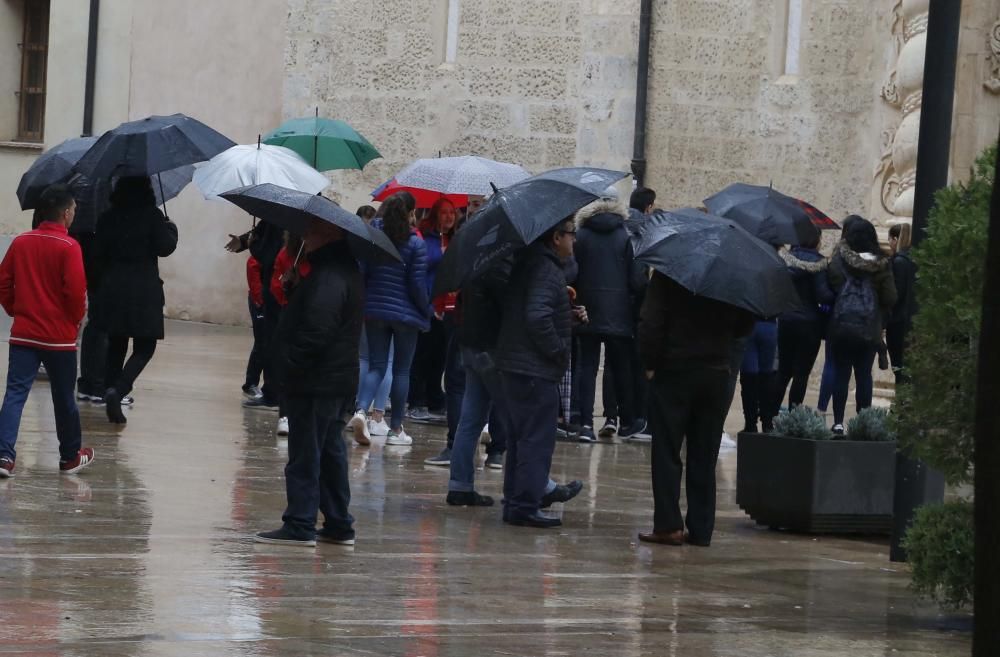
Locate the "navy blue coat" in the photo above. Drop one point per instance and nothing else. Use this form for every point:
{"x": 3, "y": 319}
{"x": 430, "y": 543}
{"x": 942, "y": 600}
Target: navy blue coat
{"x": 398, "y": 292}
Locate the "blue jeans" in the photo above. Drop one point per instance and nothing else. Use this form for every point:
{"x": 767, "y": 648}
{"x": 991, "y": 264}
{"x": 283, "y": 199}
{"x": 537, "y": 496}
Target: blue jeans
{"x": 454, "y": 383}
{"x": 847, "y": 357}
{"x": 21, "y": 373}
{"x": 829, "y": 379}
{"x": 382, "y": 393}
{"x": 761, "y": 347}
{"x": 401, "y": 339}
{"x": 316, "y": 477}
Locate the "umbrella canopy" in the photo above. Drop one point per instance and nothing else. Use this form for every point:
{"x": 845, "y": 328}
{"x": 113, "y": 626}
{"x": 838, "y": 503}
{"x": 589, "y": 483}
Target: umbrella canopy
{"x": 256, "y": 164}
{"x": 150, "y": 146}
{"x": 94, "y": 197}
{"x": 716, "y": 258}
{"x": 53, "y": 166}
{"x": 325, "y": 143}
{"x": 425, "y": 198}
{"x": 460, "y": 175}
{"x": 293, "y": 211}
{"x": 516, "y": 216}
{"x": 767, "y": 213}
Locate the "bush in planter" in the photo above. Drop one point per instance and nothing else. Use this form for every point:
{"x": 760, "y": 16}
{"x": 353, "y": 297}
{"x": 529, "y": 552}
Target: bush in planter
{"x": 941, "y": 546}
{"x": 935, "y": 411}
{"x": 870, "y": 424}
{"x": 802, "y": 422}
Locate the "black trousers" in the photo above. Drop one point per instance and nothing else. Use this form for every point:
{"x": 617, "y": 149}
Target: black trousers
{"x": 859, "y": 358}
{"x": 689, "y": 404}
{"x": 316, "y": 477}
{"x": 121, "y": 375}
{"x": 640, "y": 388}
{"x": 532, "y": 407}
{"x": 454, "y": 384}
{"x": 618, "y": 358}
{"x": 798, "y": 347}
{"x": 93, "y": 360}
{"x": 267, "y": 334}
{"x": 428, "y": 366}
{"x": 258, "y": 353}
{"x": 895, "y": 342}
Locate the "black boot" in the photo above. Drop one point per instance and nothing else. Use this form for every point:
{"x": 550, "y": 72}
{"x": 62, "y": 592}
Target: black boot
{"x": 113, "y": 407}
{"x": 749, "y": 393}
{"x": 769, "y": 402}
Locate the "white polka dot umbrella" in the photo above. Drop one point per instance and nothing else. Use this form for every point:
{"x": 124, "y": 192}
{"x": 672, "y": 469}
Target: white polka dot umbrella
{"x": 468, "y": 174}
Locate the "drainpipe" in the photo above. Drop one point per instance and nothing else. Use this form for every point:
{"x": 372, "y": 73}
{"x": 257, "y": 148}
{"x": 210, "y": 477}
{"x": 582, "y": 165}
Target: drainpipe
{"x": 90, "y": 80}
{"x": 641, "y": 90}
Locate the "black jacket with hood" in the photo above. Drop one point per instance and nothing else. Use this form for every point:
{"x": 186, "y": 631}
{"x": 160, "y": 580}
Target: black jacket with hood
{"x": 847, "y": 262}
{"x": 537, "y": 325}
{"x": 807, "y": 268}
{"x": 904, "y": 274}
{"x": 320, "y": 328}
{"x": 609, "y": 278}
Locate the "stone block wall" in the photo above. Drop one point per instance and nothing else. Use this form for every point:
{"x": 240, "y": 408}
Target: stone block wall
{"x": 542, "y": 83}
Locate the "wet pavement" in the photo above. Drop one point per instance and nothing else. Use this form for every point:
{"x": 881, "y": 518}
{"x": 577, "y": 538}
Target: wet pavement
{"x": 148, "y": 551}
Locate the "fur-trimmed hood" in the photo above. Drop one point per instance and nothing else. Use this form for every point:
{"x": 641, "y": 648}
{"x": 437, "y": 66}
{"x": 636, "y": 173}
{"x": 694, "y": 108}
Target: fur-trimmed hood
{"x": 814, "y": 265}
{"x": 603, "y": 215}
{"x": 863, "y": 262}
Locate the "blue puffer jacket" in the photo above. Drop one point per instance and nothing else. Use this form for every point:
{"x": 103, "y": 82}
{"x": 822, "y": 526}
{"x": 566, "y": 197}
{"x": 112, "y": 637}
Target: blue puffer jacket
{"x": 398, "y": 292}
{"x": 435, "y": 252}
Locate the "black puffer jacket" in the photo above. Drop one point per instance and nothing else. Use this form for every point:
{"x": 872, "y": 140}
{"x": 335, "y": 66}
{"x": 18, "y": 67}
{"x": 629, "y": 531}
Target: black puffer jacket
{"x": 609, "y": 278}
{"x": 808, "y": 270}
{"x": 681, "y": 331}
{"x": 846, "y": 262}
{"x": 537, "y": 325}
{"x": 129, "y": 243}
{"x": 480, "y": 308}
{"x": 320, "y": 329}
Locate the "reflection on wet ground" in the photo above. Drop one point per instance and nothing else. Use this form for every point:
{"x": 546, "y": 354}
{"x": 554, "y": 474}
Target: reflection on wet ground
{"x": 148, "y": 552}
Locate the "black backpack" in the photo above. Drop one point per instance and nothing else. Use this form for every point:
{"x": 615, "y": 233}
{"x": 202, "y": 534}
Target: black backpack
{"x": 856, "y": 315}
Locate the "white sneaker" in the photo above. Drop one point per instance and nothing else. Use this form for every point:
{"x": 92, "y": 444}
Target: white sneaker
{"x": 282, "y": 426}
{"x": 727, "y": 442}
{"x": 484, "y": 437}
{"x": 380, "y": 428}
{"x": 400, "y": 438}
{"x": 360, "y": 425}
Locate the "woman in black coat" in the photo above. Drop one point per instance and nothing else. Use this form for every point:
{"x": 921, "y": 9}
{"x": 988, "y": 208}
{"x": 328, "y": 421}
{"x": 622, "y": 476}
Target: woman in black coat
{"x": 131, "y": 237}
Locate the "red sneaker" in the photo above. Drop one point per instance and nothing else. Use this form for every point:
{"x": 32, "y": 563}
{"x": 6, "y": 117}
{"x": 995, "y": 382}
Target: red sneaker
{"x": 6, "y": 467}
{"x": 83, "y": 458}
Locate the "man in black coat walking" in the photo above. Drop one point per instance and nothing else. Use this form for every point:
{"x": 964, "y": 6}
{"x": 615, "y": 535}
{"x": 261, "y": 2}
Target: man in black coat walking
{"x": 318, "y": 340}
{"x": 532, "y": 354}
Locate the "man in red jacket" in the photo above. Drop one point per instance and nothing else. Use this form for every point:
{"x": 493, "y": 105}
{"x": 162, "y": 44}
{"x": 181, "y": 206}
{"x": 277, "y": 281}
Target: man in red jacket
{"x": 43, "y": 287}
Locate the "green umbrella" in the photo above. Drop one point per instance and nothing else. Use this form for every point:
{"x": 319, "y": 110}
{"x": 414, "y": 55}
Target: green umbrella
{"x": 325, "y": 143}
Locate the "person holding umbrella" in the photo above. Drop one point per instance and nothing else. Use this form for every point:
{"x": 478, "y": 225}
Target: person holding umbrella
{"x": 131, "y": 238}
{"x": 318, "y": 336}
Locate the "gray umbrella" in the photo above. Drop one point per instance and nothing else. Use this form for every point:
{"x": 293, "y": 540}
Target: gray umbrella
{"x": 716, "y": 258}
{"x": 293, "y": 211}
{"x": 53, "y": 166}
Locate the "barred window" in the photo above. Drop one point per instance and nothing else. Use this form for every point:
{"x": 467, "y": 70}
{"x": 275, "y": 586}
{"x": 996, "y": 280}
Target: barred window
{"x": 34, "y": 58}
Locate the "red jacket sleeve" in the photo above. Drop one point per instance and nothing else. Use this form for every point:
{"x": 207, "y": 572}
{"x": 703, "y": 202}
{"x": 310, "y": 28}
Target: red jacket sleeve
{"x": 281, "y": 264}
{"x": 255, "y": 285}
{"x": 74, "y": 284}
{"x": 7, "y": 281}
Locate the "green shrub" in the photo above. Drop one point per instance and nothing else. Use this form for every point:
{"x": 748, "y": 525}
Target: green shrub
{"x": 871, "y": 424}
{"x": 941, "y": 549}
{"x": 802, "y": 422}
{"x": 935, "y": 412}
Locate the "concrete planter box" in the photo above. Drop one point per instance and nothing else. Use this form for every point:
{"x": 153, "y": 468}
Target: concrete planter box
{"x": 816, "y": 486}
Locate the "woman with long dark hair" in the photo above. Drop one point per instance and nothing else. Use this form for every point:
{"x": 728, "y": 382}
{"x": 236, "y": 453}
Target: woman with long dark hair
{"x": 397, "y": 308}
{"x": 131, "y": 238}
{"x": 861, "y": 277}
{"x": 904, "y": 271}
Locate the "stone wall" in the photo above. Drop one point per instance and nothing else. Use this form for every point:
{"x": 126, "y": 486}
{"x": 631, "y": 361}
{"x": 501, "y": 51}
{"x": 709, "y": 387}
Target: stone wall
{"x": 543, "y": 83}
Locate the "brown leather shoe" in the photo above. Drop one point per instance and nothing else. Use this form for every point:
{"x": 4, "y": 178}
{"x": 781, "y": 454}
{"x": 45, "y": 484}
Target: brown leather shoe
{"x": 663, "y": 538}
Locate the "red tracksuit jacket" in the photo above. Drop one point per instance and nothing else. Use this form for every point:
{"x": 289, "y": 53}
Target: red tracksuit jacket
{"x": 43, "y": 287}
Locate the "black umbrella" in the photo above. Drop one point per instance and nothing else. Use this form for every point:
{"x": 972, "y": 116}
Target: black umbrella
{"x": 53, "y": 166}
{"x": 94, "y": 197}
{"x": 152, "y": 145}
{"x": 516, "y": 216}
{"x": 293, "y": 211}
{"x": 768, "y": 214}
{"x": 715, "y": 258}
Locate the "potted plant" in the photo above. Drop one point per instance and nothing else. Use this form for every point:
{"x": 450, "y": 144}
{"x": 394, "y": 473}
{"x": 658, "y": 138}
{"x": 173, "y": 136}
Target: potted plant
{"x": 803, "y": 478}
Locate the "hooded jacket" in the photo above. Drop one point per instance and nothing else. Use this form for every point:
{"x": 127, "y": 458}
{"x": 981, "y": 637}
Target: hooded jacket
{"x": 320, "y": 329}
{"x": 43, "y": 287}
{"x": 397, "y": 292}
{"x": 609, "y": 278}
{"x": 807, "y": 268}
{"x": 904, "y": 274}
{"x": 537, "y": 326}
{"x": 847, "y": 262}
